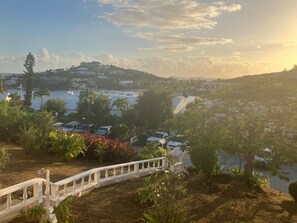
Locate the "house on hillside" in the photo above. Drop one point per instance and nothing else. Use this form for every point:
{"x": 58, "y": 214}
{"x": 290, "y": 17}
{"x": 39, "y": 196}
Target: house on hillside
{"x": 82, "y": 70}
{"x": 213, "y": 85}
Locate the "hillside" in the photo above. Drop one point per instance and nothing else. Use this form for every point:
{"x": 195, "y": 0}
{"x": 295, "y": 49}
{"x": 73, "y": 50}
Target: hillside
{"x": 222, "y": 199}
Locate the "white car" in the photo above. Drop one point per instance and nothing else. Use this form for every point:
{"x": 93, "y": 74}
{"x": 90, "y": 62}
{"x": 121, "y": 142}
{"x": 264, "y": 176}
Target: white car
{"x": 70, "y": 126}
{"x": 265, "y": 158}
{"x": 173, "y": 144}
{"x": 156, "y": 137}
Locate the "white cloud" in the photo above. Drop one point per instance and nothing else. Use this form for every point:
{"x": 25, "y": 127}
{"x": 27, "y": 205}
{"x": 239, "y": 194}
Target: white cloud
{"x": 172, "y": 16}
{"x": 202, "y": 66}
{"x": 290, "y": 44}
{"x": 180, "y": 42}
{"x": 160, "y": 14}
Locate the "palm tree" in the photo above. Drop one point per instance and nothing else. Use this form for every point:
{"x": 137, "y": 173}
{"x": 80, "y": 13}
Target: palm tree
{"x": 40, "y": 94}
{"x": 121, "y": 103}
{"x": 87, "y": 96}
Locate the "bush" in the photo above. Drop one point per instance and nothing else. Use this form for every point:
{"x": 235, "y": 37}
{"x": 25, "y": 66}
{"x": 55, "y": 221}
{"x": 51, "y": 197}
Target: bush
{"x": 54, "y": 105}
{"x": 67, "y": 145}
{"x": 32, "y": 215}
{"x": 293, "y": 190}
{"x": 32, "y": 139}
{"x": 62, "y": 211}
{"x": 253, "y": 181}
{"x": 205, "y": 159}
{"x": 164, "y": 193}
{"x": 12, "y": 118}
{"x": 108, "y": 150}
{"x": 4, "y": 158}
{"x": 152, "y": 151}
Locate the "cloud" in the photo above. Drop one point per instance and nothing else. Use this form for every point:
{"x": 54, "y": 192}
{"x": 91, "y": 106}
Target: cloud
{"x": 290, "y": 44}
{"x": 179, "y": 42}
{"x": 202, "y": 66}
{"x": 170, "y": 15}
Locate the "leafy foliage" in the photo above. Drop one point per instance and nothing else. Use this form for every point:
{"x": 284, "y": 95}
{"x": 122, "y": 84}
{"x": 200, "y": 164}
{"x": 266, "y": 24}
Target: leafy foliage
{"x": 12, "y": 119}
{"x": 29, "y": 78}
{"x": 152, "y": 151}
{"x": 40, "y": 94}
{"x": 55, "y": 105}
{"x": 4, "y": 158}
{"x": 32, "y": 215}
{"x": 67, "y": 145}
{"x": 293, "y": 190}
{"x": 164, "y": 192}
{"x": 154, "y": 107}
{"x": 108, "y": 150}
{"x": 62, "y": 211}
{"x": 95, "y": 108}
{"x": 254, "y": 180}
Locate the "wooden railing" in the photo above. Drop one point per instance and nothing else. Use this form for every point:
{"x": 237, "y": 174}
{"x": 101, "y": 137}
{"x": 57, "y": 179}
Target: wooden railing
{"x": 40, "y": 191}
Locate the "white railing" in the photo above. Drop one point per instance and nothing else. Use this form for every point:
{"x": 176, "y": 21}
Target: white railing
{"x": 82, "y": 182}
{"x": 15, "y": 198}
{"x": 133, "y": 140}
{"x": 40, "y": 191}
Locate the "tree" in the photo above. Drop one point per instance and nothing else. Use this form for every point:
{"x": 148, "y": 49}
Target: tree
{"x": 121, "y": 104}
{"x": 40, "y": 94}
{"x": 203, "y": 130}
{"x": 29, "y": 77}
{"x": 154, "y": 107}
{"x": 86, "y": 99}
{"x": 55, "y": 106}
{"x": 2, "y": 88}
{"x": 92, "y": 107}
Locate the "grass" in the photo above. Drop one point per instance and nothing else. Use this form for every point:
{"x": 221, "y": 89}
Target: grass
{"x": 220, "y": 199}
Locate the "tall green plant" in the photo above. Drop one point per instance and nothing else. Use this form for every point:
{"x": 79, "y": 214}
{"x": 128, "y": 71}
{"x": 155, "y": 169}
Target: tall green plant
{"x": 29, "y": 78}
{"x": 165, "y": 193}
{"x": 67, "y": 146}
{"x": 4, "y": 158}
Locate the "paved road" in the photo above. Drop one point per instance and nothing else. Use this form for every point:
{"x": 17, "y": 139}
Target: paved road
{"x": 228, "y": 161}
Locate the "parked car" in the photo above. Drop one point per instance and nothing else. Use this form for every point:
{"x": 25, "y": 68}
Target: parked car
{"x": 173, "y": 144}
{"x": 84, "y": 128}
{"x": 264, "y": 156}
{"x": 70, "y": 126}
{"x": 156, "y": 137}
{"x": 103, "y": 130}
{"x": 58, "y": 125}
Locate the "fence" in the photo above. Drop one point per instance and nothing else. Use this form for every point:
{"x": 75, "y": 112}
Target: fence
{"x": 41, "y": 191}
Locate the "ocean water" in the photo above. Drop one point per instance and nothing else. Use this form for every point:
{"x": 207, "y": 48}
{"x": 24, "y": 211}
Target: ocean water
{"x": 72, "y": 99}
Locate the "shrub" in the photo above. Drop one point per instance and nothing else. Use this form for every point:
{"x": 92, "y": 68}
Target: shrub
{"x": 32, "y": 215}
{"x": 62, "y": 211}
{"x": 108, "y": 150}
{"x": 12, "y": 118}
{"x": 293, "y": 190}
{"x": 67, "y": 145}
{"x": 163, "y": 193}
{"x": 254, "y": 181}
{"x": 4, "y": 158}
{"x": 205, "y": 159}
{"x": 31, "y": 139}
{"x": 152, "y": 151}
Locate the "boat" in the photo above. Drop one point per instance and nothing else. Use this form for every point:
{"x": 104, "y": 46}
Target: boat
{"x": 70, "y": 92}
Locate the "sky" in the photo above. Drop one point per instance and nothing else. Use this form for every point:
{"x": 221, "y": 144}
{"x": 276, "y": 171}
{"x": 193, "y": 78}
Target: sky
{"x": 183, "y": 38}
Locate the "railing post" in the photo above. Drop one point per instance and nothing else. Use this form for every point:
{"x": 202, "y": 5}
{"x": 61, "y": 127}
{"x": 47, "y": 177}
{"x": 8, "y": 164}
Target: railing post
{"x": 164, "y": 163}
{"x": 47, "y": 194}
{"x": 136, "y": 170}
